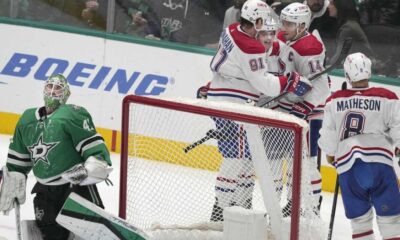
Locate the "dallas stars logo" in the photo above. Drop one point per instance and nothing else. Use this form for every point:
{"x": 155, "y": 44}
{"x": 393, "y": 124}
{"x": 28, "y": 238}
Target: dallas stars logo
{"x": 40, "y": 150}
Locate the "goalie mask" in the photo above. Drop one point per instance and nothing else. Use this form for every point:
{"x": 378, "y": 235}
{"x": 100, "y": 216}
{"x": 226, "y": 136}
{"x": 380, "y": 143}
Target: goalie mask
{"x": 357, "y": 67}
{"x": 56, "y": 92}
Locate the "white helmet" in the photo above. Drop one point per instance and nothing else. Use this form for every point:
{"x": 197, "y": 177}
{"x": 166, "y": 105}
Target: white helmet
{"x": 255, "y": 9}
{"x": 357, "y": 67}
{"x": 270, "y": 25}
{"x": 297, "y": 13}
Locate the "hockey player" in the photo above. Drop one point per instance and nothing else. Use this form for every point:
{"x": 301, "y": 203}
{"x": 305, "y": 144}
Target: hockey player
{"x": 360, "y": 131}
{"x": 306, "y": 56}
{"x": 59, "y": 143}
{"x": 240, "y": 75}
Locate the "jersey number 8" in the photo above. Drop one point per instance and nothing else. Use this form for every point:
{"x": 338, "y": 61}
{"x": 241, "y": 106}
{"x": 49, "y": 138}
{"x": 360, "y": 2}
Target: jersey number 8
{"x": 353, "y": 124}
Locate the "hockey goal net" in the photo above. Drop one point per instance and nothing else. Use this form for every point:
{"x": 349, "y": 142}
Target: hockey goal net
{"x": 183, "y": 160}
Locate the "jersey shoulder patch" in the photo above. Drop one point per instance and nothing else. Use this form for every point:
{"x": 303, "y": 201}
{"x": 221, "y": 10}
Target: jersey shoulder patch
{"x": 246, "y": 43}
{"x": 308, "y": 45}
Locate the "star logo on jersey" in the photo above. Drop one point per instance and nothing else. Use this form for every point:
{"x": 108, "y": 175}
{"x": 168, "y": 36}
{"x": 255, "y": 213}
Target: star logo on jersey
{"x": 40, "y": 150}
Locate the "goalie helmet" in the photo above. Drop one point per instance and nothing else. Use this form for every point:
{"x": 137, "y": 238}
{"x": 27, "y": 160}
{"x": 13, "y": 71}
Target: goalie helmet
{"x": 56, "y": 91}
{"x": 255, "y": 9}
{"x": 357, "y": 67}
{"x": 297, "y": 13}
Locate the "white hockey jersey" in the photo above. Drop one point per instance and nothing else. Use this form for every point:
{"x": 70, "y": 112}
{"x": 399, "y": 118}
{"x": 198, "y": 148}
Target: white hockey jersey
{"x": 361, "y": 123}
{"x": 240, "y": 71}
{"x": 306, "y": 56}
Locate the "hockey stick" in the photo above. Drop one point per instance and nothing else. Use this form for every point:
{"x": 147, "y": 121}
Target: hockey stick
{"x": 333, "y": 211}
{"x": 335, "y": 196}
{"x": 17, "y": 211}
{"x": 212, "y": 133}
{"x": 343, "y": 54}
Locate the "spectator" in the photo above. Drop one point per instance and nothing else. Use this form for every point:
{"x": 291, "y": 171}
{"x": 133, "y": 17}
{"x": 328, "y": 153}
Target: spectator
{"x": 321, "y": 21}
{"x": 348, "y": 25}
{"x": 232, "y": 14}
{"x": 134, "y": 18}
{"x": 66, "y": 12}
{"x": 95, "y": 13}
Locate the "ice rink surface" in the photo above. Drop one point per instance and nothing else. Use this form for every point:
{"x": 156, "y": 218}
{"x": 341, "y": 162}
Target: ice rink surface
{"x": 109, "y": 194}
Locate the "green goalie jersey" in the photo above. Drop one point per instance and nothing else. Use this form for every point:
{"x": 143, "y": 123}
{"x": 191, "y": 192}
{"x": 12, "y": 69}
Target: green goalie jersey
{"x": 52, "y": 144}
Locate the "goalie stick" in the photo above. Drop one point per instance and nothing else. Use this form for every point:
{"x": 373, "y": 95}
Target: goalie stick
{"x": 343, "y": 54}
{"x": 17, "y": 211}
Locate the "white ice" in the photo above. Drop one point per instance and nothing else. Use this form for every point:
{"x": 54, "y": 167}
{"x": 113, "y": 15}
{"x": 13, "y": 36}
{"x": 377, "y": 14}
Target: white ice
{"x": 110, "y": 197}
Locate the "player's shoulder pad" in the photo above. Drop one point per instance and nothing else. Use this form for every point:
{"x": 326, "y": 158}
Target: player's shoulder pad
{"x": 308, "y": 45}
{"x": 29, "y": 115}
{"x": 380, "y": 92}
{"x": 76, "y": 111}
{"x": 340, "y": 94}
{"x": 246, "y": 43}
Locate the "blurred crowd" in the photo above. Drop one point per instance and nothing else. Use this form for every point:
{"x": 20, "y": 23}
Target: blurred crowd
{"x": 373, "y": 24}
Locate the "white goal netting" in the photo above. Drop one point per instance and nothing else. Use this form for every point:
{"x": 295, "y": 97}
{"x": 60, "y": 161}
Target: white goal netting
{"x": 184, "y": 160}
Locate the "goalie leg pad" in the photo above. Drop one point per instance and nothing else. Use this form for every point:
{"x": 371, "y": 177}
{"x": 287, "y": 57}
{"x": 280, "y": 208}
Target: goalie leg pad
{"x": 12, "y": 186}
{"x": 90, "y": 222}
{"x": 50, "y": 199}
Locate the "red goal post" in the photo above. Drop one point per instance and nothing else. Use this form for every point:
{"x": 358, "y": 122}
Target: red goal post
{"x": 147, "y": 126}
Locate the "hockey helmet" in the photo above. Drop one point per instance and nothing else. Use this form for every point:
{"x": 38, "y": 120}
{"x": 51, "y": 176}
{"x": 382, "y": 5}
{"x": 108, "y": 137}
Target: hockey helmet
{"x": 297, "y": 13}
{"x": 357, "y": 67}
{"x": 270, "y": 25}
{"x": 253, "y": 10}
{"x": 56, "y": 91}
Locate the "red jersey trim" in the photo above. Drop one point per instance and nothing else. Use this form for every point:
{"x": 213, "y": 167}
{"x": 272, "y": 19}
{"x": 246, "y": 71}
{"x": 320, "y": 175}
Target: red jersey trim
{"x": 246, "y": 43}
{"x": 370, "y": 92}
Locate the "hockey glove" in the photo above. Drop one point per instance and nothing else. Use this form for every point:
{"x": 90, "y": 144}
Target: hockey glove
{"x": 12, "y": 187}
{"x": 91, "y": 172}
{"x": 76, "y": 174}
{"x": 297, "y": 84}
{"x": 301, "y": 109}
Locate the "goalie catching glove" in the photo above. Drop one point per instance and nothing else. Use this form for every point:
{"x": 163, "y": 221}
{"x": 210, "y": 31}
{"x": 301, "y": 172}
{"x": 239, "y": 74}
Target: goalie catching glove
{"x": 91, "y": 172}
{"x": 12, "y": 187}
{"x": 297, "y": 84}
